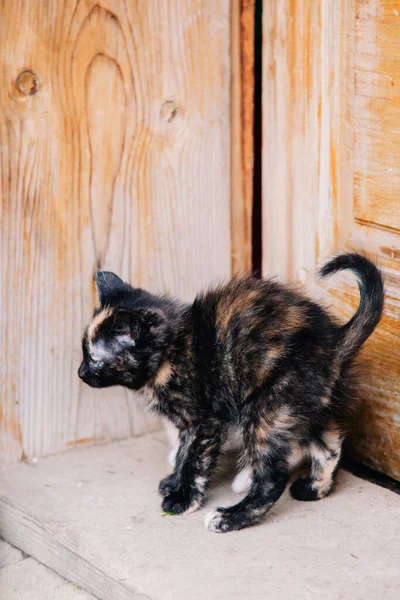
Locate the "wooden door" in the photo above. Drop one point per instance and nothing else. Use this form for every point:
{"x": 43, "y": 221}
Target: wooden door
{"x": 331, "y": 175}
{"x": 114, "y": 154}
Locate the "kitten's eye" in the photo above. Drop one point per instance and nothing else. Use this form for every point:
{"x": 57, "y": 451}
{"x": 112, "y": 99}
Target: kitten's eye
{"x": 97, "y": 364}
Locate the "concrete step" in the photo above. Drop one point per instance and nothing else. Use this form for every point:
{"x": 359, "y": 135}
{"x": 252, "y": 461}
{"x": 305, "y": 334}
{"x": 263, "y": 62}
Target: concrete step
{"x": 93, "y": 515}
{"x": 23, "y": 578}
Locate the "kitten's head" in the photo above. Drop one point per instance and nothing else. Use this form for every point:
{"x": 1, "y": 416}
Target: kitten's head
{"x": 126, "y": 340}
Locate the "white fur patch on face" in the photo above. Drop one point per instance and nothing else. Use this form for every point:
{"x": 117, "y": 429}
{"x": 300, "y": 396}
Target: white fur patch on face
{"x": 125, "y": 339}
{"x": 242, "y": 481}
{"x": 212, "y": 521}
{"x": 99, "y": 352}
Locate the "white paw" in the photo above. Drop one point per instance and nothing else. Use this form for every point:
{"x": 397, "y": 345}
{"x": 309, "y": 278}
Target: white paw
{"x": 242, "y": 481}
{"x": 212, "y": 521}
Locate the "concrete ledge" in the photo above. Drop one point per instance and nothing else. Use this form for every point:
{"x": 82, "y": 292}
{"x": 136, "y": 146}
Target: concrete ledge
{"x": 93, "y": 515}
{"x": 30, "y": 580}
{"x": 9, "y": 555}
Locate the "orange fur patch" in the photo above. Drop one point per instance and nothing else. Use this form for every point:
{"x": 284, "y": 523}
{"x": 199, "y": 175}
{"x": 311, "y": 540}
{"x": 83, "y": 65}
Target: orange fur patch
{"x": 232, "y": 305}
{"x": 96, "y": 322}
{"x": 295, "y": 318}
{"x": 262, "y": 431}
{"x": 163, "y": 375}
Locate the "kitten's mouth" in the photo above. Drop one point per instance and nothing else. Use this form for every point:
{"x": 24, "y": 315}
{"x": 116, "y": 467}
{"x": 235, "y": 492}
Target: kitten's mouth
{"x": 85, "y": 375}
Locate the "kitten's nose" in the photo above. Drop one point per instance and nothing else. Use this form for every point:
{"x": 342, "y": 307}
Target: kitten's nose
{"x": 82, "y": 371}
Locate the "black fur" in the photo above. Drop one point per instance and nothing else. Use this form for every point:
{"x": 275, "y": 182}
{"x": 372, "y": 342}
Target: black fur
{"x": 252, "y": 355}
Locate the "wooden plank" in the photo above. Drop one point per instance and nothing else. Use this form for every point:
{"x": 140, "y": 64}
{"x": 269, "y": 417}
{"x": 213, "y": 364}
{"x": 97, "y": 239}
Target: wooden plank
{"x": 117, "y": 157}
{"x": 377, "y": 114}
{"x": 93, "y": 515}
{"x": 305, "y": 141}
{"x": 242, "y": 137}
{"x": 292, "y": 90}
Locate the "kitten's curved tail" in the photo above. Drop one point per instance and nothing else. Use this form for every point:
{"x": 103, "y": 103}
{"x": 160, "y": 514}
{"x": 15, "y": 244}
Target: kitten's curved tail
{"x": 372, "y": 295}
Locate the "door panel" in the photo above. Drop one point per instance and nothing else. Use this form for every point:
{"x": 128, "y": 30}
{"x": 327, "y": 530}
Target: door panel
{"x": 376, "y": 114}
{"x": 331, "y": 169}
{"x": 116, "y": 158}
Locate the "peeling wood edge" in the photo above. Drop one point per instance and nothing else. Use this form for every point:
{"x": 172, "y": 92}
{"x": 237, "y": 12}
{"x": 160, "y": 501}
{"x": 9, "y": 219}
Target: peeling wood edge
{"x": 37, "y": 539}
{"x": 242, "y": 136}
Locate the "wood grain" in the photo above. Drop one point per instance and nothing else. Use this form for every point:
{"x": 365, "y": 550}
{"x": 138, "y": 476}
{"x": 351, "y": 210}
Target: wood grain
{"x": 242, "y": 136}
{"x": 374, "y": 223}
{"x": 294, "y": 95}
{"x": 98, "y": 171}
{"x": 377, "y": 114}
{"x": 329, "y": 115}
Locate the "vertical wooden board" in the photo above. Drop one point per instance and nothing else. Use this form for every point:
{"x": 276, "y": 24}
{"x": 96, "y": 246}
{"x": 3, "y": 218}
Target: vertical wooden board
{"x": 376, "y": 110}
{"x": 307, "y": 138}
{"x": 293, "y": 88}
{"x": 304, "y": 62}
{"x": 119, "y": 161}
{"x": 185, "y": 226}
{"x": 242, "y": 134}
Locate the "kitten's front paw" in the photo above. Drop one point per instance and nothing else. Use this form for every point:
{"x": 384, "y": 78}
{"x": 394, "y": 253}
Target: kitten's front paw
{"x": 215, "y": 521}
{"x": 168, "y": 485}
{"x": 178, "y": 503}
{"x": 231, "y": 519}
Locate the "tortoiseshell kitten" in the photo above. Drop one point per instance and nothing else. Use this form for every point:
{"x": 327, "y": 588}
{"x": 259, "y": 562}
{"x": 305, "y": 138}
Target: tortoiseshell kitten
{"x": 252, "y": 356}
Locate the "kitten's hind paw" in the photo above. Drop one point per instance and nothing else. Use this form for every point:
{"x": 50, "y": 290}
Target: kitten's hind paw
{"x": 303, "y": 489}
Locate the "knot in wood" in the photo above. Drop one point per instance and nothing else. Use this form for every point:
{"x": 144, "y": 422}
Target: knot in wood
{"x": 169, "y": 110}
{"x": 28, "y": 83}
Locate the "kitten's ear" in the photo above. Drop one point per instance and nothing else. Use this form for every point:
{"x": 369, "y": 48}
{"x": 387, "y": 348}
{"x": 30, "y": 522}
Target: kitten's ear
{"x": 107, "y": 283}
{"x": 128, "y": 327}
